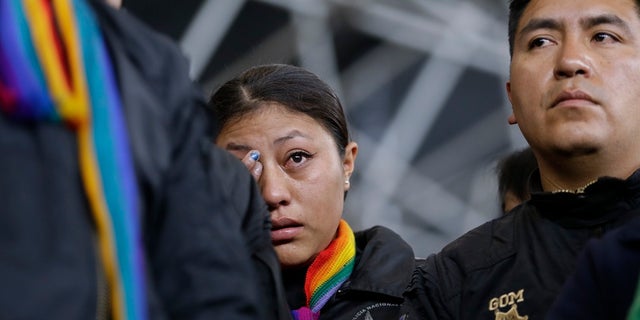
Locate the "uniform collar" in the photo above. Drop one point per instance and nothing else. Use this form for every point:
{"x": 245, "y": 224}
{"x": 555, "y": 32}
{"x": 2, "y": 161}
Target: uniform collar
{"x": 603, "y": 200}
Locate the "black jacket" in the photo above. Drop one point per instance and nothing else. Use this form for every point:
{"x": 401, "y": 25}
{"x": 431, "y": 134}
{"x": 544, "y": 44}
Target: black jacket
{"x": 606, "y": 279}
{"x": 205, "y": 226}
{"x": 382, "y": 271}
{"x": 516, "y": 264}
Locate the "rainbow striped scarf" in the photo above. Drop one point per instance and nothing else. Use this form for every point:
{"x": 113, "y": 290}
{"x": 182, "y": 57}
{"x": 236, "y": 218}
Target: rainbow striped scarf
{"x": 54, "y": 66}
{"x": 328, "y": 272}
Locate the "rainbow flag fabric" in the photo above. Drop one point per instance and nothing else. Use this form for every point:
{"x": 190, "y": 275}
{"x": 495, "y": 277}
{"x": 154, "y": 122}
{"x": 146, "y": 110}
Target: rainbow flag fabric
{"x": 54, "y": 66}
{"x": 328, "y": 272}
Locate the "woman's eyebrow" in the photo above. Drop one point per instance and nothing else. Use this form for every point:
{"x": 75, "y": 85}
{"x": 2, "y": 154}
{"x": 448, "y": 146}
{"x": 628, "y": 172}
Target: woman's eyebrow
{"x": 232, "y": 146}
{"x": 290, "y": 135}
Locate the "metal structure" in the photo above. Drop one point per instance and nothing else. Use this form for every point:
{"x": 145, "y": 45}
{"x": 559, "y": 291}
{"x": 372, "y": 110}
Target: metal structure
{"x": 422, "y": 81}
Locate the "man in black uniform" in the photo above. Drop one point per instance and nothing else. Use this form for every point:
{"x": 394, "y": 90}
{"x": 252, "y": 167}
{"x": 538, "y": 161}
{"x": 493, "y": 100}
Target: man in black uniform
{"x": 204, "y": 229}
{"x": 574, "y": 87}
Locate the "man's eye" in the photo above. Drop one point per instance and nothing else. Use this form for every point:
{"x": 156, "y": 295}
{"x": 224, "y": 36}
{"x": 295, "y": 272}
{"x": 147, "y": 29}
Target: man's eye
{"x": 539, "y": 42}
{"x": 604, "y": 37}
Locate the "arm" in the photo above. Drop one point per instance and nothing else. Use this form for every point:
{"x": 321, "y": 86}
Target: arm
{"x": 423, "y": 297}
{"x": 198, "y": 252}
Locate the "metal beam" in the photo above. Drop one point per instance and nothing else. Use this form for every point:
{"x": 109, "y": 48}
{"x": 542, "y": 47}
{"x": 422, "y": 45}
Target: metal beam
{"x": 205, "y": 32}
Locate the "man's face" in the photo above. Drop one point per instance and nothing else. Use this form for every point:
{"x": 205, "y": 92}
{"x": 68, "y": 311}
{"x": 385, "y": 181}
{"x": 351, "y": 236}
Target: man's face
{"x": 575, "y": 76}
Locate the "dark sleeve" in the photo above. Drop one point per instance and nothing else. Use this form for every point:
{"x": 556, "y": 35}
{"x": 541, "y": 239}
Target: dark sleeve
{"x": 196, "y": 205}
{"x": 201, "y": 261}
{"x": 425, "y": 297}
{"x": 580, "y": 297}
{"x": 603, "y": 284}
{"x": 242, "y": 196}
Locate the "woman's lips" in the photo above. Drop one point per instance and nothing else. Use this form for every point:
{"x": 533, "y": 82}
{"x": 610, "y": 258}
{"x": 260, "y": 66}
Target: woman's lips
{"x": 285, "y": 229}
{"x": 285, "y": 234}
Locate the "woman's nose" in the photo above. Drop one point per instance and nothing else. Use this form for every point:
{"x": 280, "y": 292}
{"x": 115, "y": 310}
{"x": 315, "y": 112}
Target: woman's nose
{"x": 274, "y": 185}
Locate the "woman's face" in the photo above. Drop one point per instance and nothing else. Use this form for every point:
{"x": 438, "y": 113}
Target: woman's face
{"x": 303, "y": 178}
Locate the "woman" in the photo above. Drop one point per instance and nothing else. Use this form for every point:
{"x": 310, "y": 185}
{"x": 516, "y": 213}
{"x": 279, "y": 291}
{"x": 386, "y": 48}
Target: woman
{"x": 290, "y": 130}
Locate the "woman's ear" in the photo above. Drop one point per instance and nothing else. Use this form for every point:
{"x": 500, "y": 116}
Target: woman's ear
{"x": 349, "y": 162}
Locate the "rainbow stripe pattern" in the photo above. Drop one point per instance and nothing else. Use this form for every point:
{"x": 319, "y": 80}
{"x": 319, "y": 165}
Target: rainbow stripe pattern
{"x": 331, "y": 268}
{"x": 54, "y": 66}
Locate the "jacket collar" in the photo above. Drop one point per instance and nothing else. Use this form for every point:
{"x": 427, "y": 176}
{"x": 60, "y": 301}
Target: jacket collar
{"x": 602, "y": 201}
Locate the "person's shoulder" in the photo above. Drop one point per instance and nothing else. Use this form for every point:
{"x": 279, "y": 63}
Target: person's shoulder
{"x": 148, "y": 50}
{"x": 379, "y": 241}
{"x": 380, "y": 236}
{"x": 482, "y": 246}
{"x": 127, "y": 26}
{"x": 627, "y": 234}
{"x": 152, "y": 73}
{"x": 384, "y": 262}
{"x": 617, "y": 245}
{"x": 376, "y": 232}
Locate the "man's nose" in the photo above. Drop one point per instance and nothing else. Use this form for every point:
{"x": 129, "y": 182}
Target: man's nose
{"x": 573, "y": 60}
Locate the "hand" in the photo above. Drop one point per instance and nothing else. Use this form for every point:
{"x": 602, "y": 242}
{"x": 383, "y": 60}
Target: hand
{"x": 252, "y": 163}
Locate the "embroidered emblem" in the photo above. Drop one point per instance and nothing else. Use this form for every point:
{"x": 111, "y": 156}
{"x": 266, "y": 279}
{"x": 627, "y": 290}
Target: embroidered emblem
{"x": 506, "y": 300}
{"x": 512, "y": 314}
{"x": 368, "y": 316}
{"x": 502, "y": 302}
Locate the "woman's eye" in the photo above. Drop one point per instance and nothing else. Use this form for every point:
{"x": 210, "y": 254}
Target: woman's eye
{"x": 298, "y": 157}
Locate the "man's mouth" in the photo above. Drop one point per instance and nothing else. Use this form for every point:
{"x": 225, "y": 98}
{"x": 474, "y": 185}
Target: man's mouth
{"x": 572, "y": 98}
